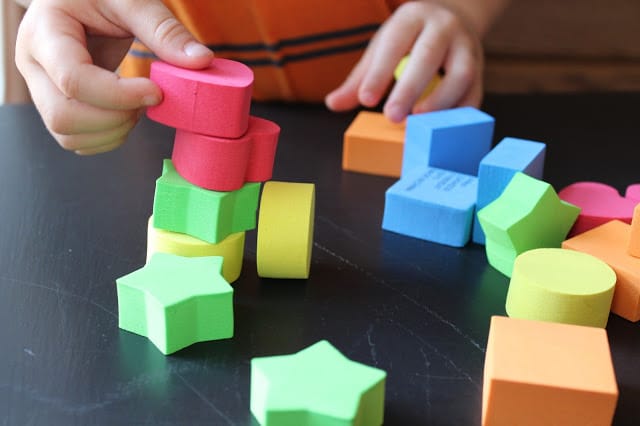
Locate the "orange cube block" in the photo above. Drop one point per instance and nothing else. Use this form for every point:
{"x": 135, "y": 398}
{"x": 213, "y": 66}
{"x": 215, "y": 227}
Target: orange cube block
{"x": 373, "y": 145}
{"x": 543, "y": 373}
{"x": 610, "y": 243}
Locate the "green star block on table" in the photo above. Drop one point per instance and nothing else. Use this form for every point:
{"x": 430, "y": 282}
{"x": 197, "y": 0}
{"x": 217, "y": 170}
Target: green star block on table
{"x": 316, "y": 386}
{"x": 180, "y": 206}
{"x": 176, "y": 301}
{"x": 528, "y": 215}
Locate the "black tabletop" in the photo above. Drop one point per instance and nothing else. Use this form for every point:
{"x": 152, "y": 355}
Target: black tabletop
{"x": 71, "y": 225}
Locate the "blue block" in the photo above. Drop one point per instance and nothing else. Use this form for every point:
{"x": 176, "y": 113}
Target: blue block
{"x": 497, "y": 168}
{"x": 454, "y": 139}
{"x": 432, "y": 204}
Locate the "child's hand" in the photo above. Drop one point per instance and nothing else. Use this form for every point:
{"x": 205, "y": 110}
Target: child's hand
{"x": 436, "y": 38}
{"x": 67, "y": 51}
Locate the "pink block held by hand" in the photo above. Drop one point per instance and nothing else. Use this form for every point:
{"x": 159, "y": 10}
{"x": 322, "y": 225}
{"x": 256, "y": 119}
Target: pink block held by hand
{"x": 214, "y": 101}
{"x": 599, "y": 203}
{"x": 221, "y": 164}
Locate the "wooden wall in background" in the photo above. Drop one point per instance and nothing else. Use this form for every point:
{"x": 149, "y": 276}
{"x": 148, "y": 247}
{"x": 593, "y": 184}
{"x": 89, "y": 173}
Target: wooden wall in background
{"x": 565, "y": 45}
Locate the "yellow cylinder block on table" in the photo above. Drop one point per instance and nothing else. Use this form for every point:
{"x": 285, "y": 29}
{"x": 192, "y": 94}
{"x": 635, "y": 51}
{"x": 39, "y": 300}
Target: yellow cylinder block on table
{"x": 559, "y": 285}
{"x": 231, "y": 248}
{"x": 285, "y": 230}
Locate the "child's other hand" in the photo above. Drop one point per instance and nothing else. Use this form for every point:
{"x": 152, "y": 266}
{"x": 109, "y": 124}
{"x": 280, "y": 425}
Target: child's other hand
{"x": 67, "y": 51}
{"x": 436, "y": 38}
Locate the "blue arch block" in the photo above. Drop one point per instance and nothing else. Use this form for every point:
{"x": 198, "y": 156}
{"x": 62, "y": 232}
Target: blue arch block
{"x": 454, "y": 139}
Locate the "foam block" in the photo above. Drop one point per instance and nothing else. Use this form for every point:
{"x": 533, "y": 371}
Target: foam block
{"x": 542, "y": 373}
{"x": 285, "y": 230}
{"x": 231, "y": 249}
{"x": 180, "y": 206}
{"x": 176, "y": 301}
{"x": 528, "y": 215}
{"x": 599, "y": 203}
{"x": 558, "y": 285}
{"x": 454, "y": 139}
{"x": 373, "y": 145}
{"x": 214, "y": 101}
{"x": 497, "y": 168}
{"x": 316, "y": 386}
{"x": 634, "y": 234}
{"x": 222, "y": 164}
{"x": 609, "y": 242}
{"x": 397, "y": 73}
{"x": 633, "y": 192}
{"x": 432, "y": 204}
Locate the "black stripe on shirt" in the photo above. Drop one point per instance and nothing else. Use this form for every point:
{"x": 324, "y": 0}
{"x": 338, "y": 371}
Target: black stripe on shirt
{"x": 274, "y": 47}
{"x": 278, "y": 62}
{"x": 296, "y": 41}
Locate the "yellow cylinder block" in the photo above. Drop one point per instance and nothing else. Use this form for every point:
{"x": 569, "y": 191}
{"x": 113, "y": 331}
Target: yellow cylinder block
{"x": 285, "y": 230}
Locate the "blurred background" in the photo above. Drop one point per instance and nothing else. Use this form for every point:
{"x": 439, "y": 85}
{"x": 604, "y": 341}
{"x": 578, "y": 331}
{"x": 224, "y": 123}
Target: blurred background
{"x": 536, "y": 46}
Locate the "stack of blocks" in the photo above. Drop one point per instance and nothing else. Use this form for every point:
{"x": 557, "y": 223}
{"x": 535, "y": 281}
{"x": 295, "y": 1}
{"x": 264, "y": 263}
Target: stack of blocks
{"x": 205, "y": 200}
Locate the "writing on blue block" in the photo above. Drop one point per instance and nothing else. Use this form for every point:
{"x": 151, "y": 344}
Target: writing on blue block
{"x": 498, "y": 167}
{"x": 454, "y": 139}
{"x": 432, "y": 204}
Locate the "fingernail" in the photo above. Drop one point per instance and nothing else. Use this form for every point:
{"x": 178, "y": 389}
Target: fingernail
{"x": 151, "y": 100}
{"x": 195, "y": 49}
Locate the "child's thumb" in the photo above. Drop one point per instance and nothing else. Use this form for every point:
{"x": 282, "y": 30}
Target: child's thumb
{"x": 152, "y": 23}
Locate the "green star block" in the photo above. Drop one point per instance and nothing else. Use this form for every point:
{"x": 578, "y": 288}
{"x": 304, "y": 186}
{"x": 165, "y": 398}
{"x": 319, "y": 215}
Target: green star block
{"x": 180, "y": 206}
{"x": 528, "y": 215}
{"x": 316, "y": 386}
{"x": 176, "y": 301}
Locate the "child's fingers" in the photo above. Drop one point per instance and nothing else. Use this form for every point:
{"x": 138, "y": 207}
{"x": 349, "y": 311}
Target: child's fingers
{"x": 427, "y": 56}
{"x": 99, "y": 150}
{"x": 394, "y": 40}
{"x": 462, "y": 73}
{"x": 345, "y": 97}
{"x": 159, "y": 30}
{"x": 473, "y": 97}
{"x": 76, "y": 77}
{"x": 69, "y": 116}
{"x": 96, "y": 143}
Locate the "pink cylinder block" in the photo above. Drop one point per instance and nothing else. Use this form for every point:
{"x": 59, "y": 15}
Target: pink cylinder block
{"x": 222, "y": 164}
{"x": 214, "y": 101}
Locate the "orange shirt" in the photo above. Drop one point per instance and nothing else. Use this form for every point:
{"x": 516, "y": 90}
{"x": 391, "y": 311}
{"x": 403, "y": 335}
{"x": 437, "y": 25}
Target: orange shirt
{"x": 299, "y": 50}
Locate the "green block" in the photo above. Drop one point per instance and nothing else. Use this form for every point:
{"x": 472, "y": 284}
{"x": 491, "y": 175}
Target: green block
{"x": 180, "y": 206}
{"x": 528, "y": 215}
{"x": 316, "y": 386}
{"x": 176, "y": 301}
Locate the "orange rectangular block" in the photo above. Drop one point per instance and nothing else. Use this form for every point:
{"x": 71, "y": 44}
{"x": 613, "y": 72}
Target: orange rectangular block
{"x": 373, "y": 145}
{"x": 543, "y": 373}
{"x": 610, "y": 242}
